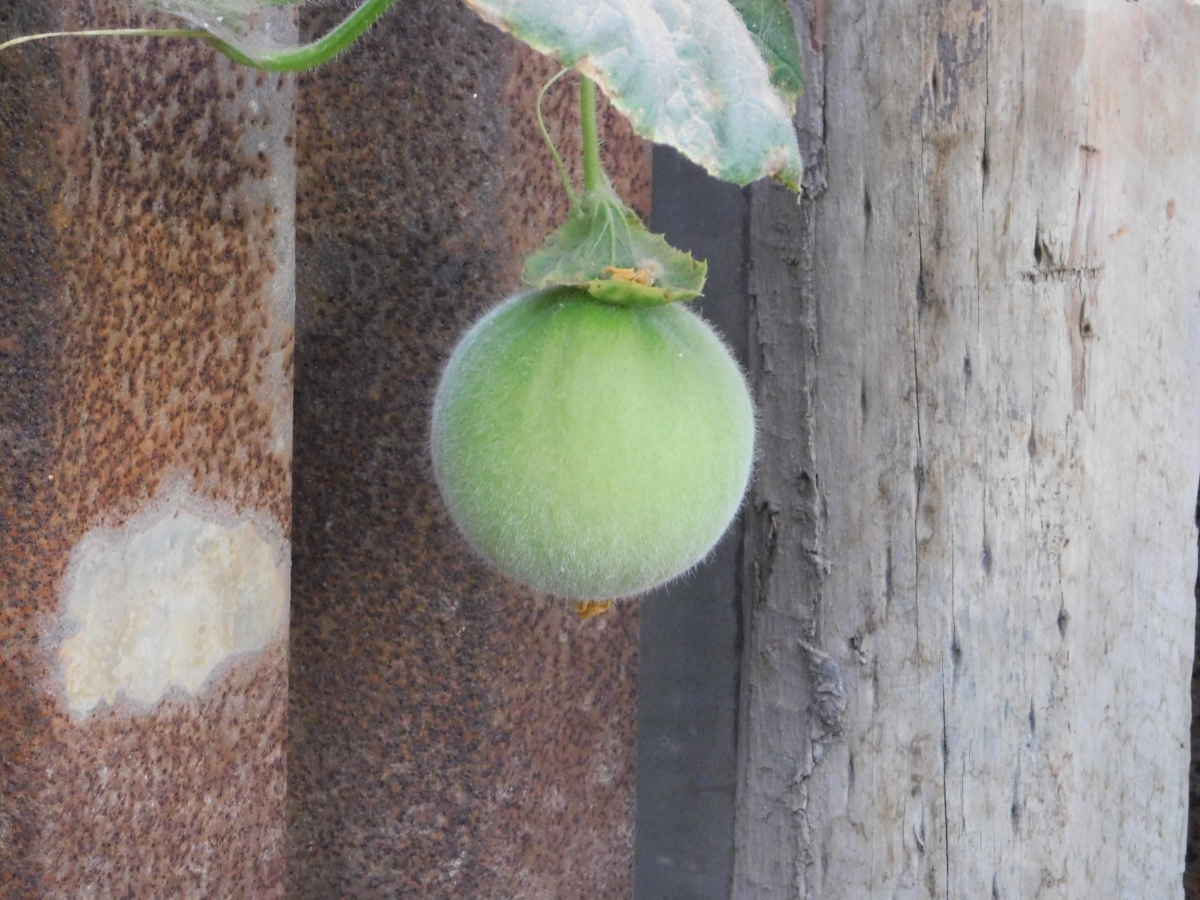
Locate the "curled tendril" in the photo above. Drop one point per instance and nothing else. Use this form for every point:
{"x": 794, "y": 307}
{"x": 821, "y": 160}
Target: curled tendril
{"x": 109, "y": 32}
{"x": 562, "y": 169}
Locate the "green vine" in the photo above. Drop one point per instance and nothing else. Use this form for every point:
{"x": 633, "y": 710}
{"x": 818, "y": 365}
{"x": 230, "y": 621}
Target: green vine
{"x": 311, "y": 55}
{"x": 297, "y": 59}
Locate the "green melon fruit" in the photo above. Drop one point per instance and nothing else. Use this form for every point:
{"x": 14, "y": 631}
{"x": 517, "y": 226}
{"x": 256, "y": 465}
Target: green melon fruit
{"x": 588, "y": 449}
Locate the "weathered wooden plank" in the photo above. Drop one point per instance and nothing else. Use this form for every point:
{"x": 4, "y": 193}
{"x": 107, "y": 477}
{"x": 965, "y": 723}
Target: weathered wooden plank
{"x": 995, "y": 402}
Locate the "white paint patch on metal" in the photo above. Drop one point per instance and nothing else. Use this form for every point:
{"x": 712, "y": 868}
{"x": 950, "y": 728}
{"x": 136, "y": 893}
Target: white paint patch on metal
{"x": 163, "y": 606}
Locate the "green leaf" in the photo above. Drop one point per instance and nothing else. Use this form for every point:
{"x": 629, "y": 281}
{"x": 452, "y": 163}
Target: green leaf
{"x": 604, "y": 248}
{"x": 688, "y": 74}
{"x": 771, "y": 24}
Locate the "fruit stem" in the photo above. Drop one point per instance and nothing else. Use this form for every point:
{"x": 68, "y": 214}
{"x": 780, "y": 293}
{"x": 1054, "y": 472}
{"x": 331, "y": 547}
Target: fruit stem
{"x": 593, "y": 171}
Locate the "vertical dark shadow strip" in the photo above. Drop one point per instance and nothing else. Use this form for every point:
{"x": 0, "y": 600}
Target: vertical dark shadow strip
{"x": 690, "y": 646}
{"x": 1191, "y": 870}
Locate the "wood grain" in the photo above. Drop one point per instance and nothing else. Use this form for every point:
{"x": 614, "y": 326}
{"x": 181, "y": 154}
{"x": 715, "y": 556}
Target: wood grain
{"x": 970, "y": 623}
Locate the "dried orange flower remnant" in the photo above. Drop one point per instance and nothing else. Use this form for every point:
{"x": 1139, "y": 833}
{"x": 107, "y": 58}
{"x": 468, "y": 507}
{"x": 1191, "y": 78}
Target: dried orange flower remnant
{"x": 635, "y": 276}
{"x": 586, "y": 609}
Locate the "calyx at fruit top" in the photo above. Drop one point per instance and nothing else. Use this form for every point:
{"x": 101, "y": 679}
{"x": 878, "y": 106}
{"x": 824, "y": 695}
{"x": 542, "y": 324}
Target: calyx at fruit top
{"x": 605, "y": 249}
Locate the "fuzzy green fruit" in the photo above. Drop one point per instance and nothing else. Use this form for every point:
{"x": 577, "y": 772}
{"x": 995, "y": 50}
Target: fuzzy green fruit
{"x": 589, "y": 449}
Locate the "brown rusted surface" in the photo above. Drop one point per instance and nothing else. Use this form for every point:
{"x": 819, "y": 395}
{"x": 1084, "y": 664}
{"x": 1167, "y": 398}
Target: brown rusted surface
{"x": 28, "y": 344}
{"x": 145, "y": 334}
{"x": 452, "y": 735}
